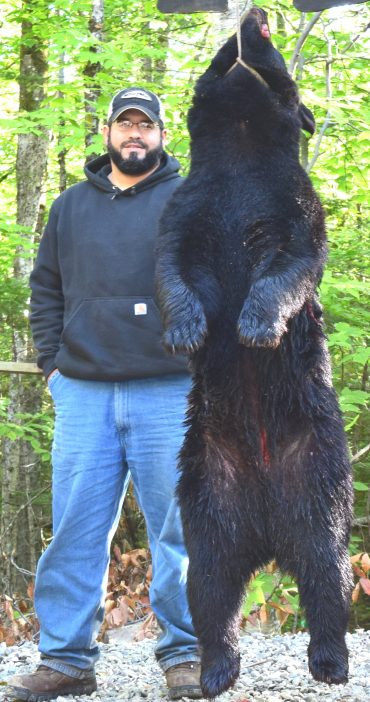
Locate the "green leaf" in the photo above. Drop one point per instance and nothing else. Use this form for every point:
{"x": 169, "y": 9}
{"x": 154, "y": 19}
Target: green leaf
{"x": 361, "y": 487}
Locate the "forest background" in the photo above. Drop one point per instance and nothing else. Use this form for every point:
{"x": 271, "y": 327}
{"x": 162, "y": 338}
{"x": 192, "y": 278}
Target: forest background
{"x": 60, "y": 64}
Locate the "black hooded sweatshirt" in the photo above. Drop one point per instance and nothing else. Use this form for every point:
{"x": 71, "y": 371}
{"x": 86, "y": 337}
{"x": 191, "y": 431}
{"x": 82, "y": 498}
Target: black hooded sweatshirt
{"x": 93, "y": 313}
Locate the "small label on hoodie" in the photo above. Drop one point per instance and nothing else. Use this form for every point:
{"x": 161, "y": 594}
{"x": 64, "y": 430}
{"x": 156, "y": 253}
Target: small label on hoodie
{"x": 140, "y": 308}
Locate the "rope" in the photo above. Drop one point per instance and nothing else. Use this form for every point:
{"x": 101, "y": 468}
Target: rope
{"x": 238, "y": 29}
{"x": 239, "y": 60}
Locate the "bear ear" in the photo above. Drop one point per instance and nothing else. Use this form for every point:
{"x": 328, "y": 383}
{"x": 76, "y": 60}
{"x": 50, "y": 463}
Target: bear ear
{"x": 307, "y": 119}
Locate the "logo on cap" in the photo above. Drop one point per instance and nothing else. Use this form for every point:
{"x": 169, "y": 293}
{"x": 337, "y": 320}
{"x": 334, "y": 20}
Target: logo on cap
{"x": 135, "y": 94}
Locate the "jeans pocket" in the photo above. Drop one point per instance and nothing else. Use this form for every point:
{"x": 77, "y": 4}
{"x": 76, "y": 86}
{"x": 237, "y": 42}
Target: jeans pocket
{"x": 52, "y": 380}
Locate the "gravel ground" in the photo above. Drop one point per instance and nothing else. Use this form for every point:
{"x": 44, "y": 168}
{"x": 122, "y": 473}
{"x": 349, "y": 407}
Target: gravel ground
{"x": 274, "y": 669}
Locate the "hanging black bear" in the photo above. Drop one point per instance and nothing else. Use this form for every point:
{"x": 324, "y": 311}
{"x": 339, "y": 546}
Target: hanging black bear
{"x": 264, "y": 468}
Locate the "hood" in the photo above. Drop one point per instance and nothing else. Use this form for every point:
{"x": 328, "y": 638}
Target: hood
{"x": 98, "y": 169}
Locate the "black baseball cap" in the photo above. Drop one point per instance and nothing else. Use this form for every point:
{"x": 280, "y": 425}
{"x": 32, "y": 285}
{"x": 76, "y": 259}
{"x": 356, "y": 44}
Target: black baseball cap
{"x": 136, "y": 99}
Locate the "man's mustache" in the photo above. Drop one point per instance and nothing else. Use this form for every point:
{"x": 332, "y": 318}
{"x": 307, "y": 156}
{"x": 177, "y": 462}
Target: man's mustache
{"x": 133, "y": 141}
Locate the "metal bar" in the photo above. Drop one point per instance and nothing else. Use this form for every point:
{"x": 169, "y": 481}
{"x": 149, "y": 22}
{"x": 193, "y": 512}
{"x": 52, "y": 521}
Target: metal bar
{"x": 188, "y": 6}
{"x": 316, "y": 5}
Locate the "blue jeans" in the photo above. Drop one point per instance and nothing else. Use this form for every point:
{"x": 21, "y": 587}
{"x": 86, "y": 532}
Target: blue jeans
{"x": 103, "y": 432}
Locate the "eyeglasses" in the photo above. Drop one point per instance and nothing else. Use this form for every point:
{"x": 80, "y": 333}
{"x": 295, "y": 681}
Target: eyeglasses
{"x": 126, "y": 125}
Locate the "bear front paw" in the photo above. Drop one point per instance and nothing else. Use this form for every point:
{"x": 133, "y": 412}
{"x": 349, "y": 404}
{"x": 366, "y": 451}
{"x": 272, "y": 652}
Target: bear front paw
{"x": 256, "y": 330}
{"x": 186, "y": 337}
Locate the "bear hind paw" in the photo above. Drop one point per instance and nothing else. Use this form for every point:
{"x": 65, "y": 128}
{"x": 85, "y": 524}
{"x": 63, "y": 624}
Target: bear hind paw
{"x": 332, "y": 670}
{"x": 219, "y": 676}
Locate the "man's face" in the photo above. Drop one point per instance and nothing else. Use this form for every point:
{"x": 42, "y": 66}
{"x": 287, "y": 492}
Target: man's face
{"x": 134, "y": 150}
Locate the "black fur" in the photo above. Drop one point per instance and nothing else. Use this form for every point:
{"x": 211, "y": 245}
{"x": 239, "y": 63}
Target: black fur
{"x": 264, "y": 467}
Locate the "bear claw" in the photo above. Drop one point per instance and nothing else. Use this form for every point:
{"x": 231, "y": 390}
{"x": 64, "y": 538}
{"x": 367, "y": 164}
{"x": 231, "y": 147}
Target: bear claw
{"x": 185, "y": 339}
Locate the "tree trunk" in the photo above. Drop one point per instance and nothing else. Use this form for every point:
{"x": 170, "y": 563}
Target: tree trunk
{"x": 20, "y": 537}
{"x": 62, "y": 152}
{"x": 91, "y": 70}
{"x": 154, "y": 70}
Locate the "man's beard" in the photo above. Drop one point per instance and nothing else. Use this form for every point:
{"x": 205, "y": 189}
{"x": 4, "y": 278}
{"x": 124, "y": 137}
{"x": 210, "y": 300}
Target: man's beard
{"x": 133, "y": 165}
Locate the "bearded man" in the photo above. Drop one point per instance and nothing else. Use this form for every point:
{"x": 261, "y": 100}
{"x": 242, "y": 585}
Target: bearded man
{"x": 120, "y": 403}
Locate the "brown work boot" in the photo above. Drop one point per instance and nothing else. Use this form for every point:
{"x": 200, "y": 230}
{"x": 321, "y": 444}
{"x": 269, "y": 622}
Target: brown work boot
{"x": 183, "y": 680}
{"x": 47, "y": 684}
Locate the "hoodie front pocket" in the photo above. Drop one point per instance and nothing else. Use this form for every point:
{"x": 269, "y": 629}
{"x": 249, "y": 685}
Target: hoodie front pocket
{"x": 114, "y": 331}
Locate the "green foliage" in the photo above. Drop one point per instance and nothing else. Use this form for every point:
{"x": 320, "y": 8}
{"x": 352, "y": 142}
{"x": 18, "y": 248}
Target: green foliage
{"x": 272, "y": 600}
{"x": 35, "y": 428}
{"x": 14, "y": 291}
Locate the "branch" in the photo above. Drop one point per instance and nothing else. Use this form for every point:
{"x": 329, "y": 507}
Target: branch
{"x": 302, "y": 40}
{"x": 327, "y": 122}
{"x": 320, "y": 137}
{"x": 6, "y": 174}
{"x": 328, "y": 75}
{"x": 260, "y": 662}
{"x": 340, "y": 57}
{"x": 353, "y": 41}
{"x": 29, "y": 573}
{"x": 361, "y": 521}
{"x": 360, "y": 453}
{"x": 22, "y": 507}
{"x": 197, "y": 57}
